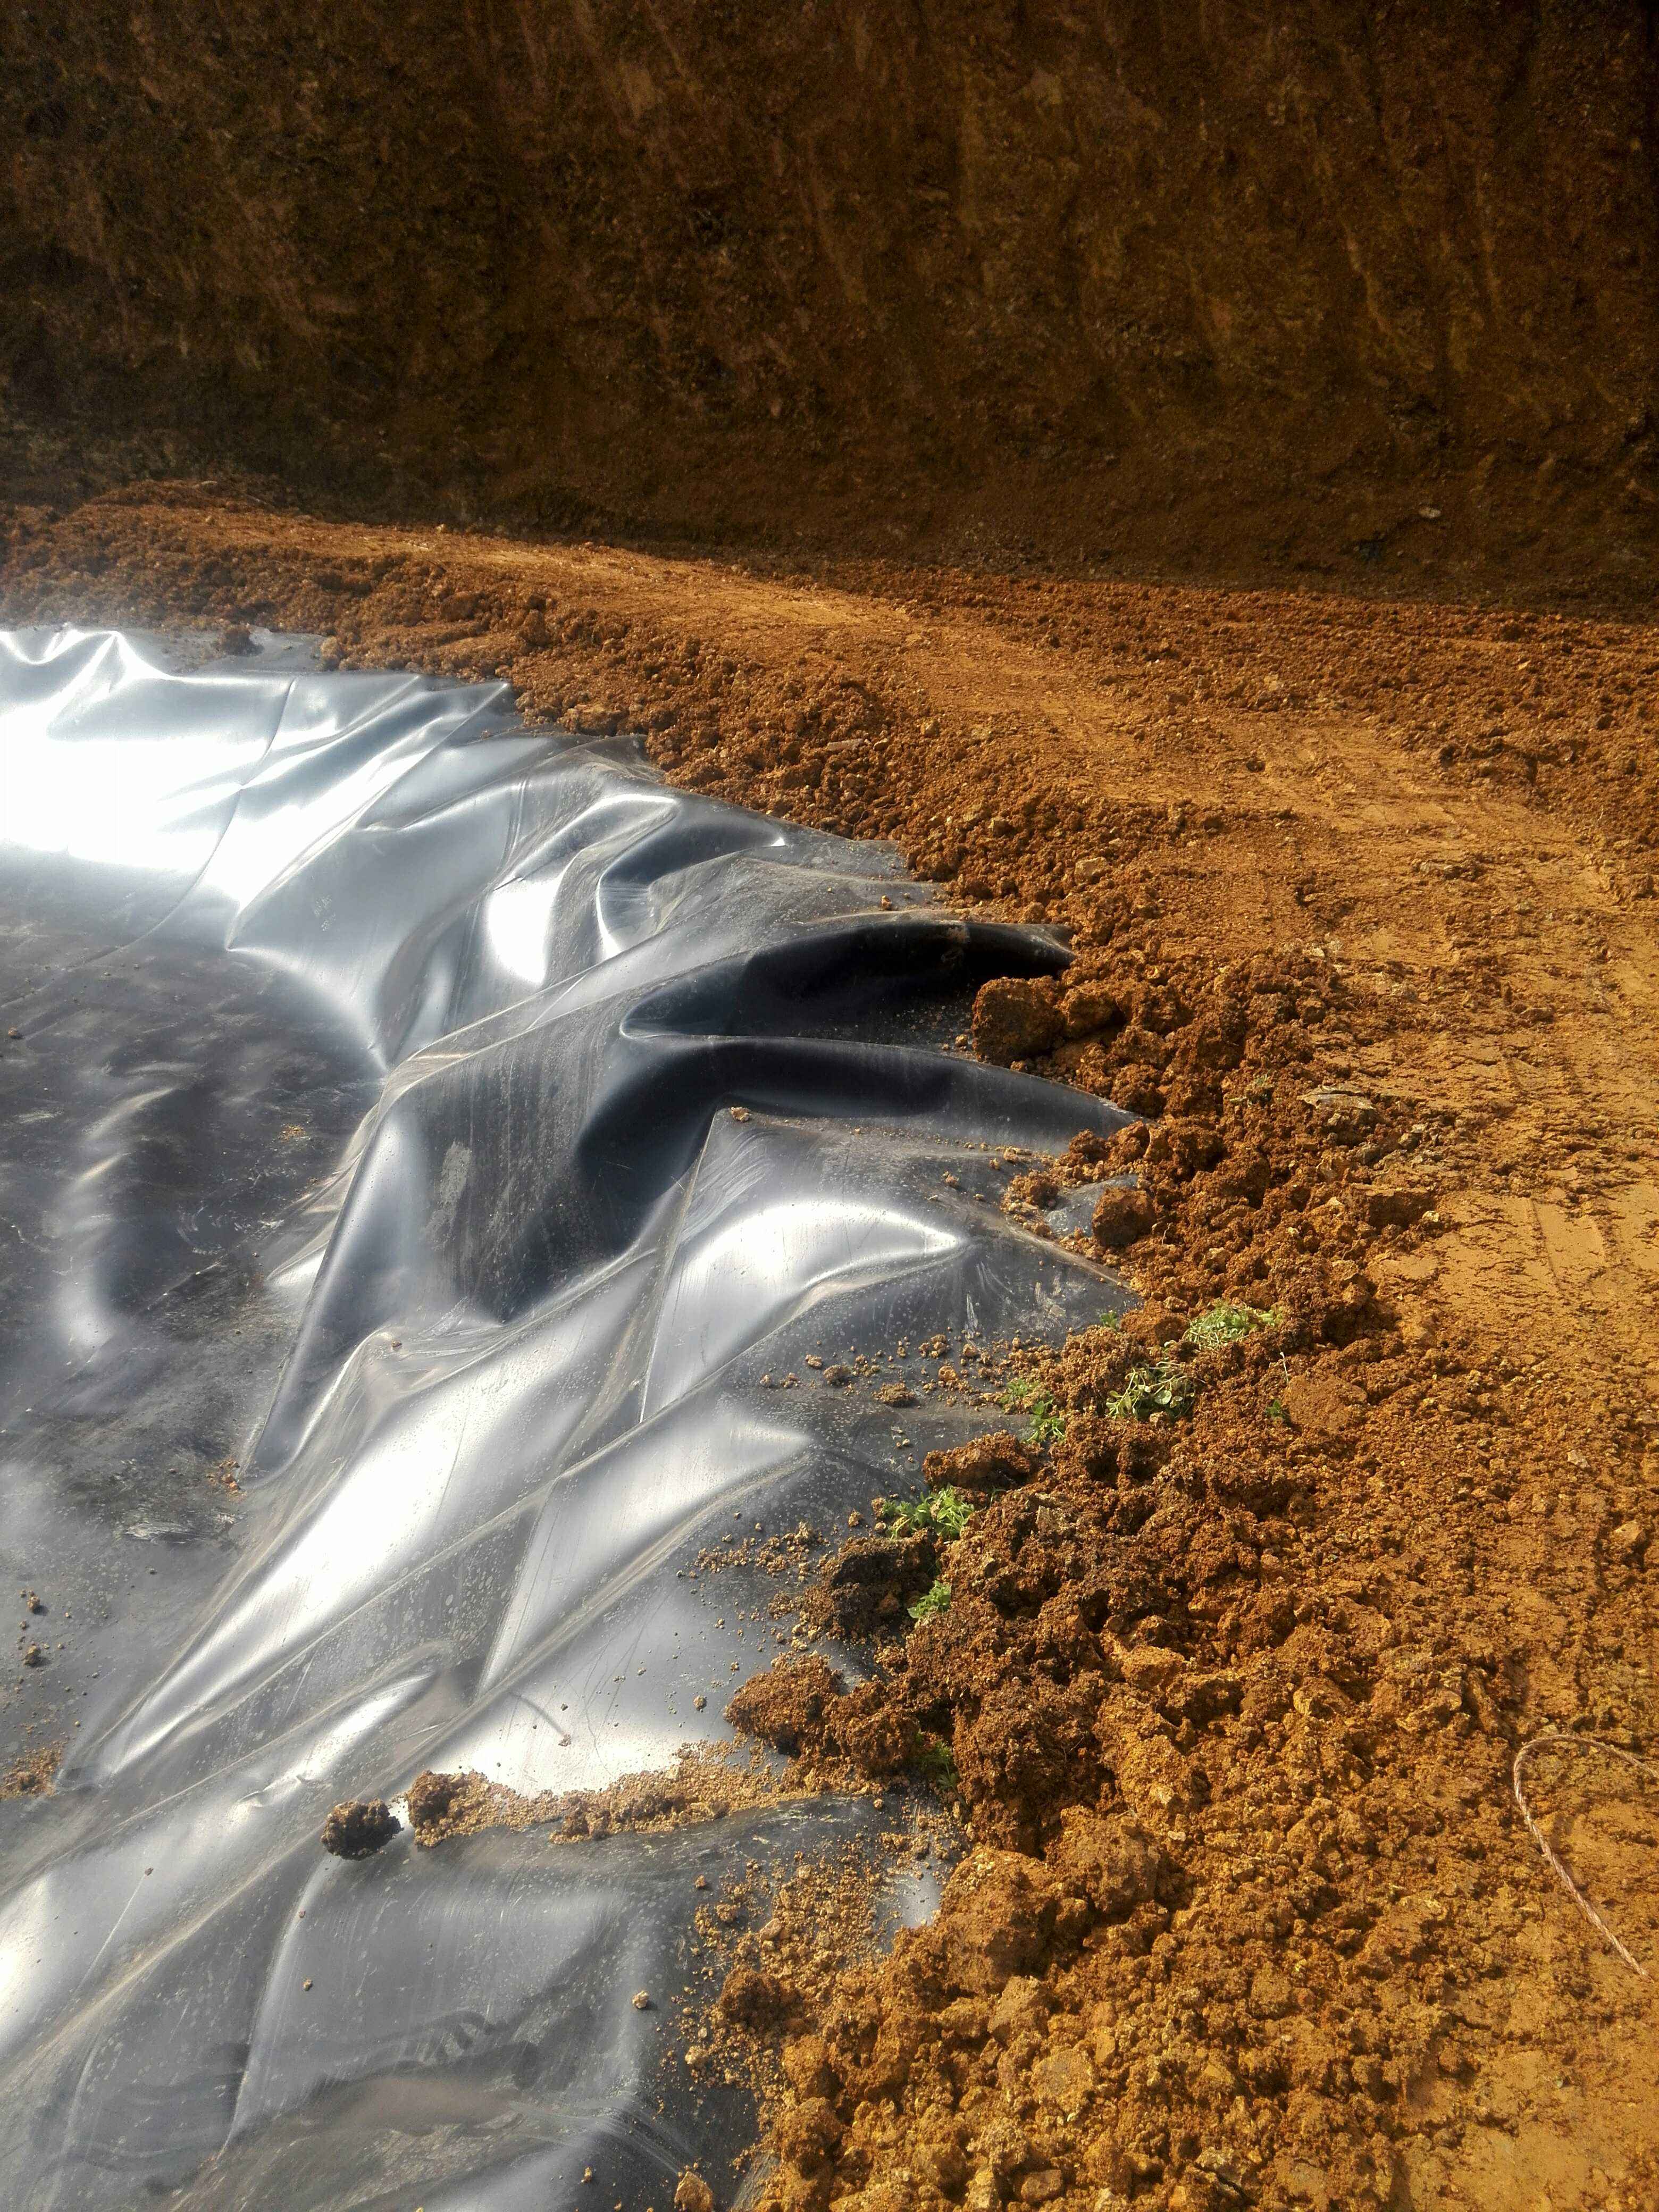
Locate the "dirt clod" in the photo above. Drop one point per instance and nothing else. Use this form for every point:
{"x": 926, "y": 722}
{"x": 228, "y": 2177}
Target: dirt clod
{"x": 359, "y": 1828}
{"x": 1014, "y": 1020}
{"x": 1120, "y": 1218}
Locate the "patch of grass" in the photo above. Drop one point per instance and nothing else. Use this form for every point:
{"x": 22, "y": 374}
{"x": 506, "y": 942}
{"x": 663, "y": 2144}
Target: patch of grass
{"x": 944, "y": 1513}
{"x": 932, "y": 1602}
{"x": 935, "y": 1763}
{"x": 1025, "y": 1394}
{"x": 1228, "y": 1323}
{"x": 1164, "y": 1388}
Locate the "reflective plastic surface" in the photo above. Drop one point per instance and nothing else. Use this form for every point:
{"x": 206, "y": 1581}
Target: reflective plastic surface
{"x": 370, "y": 1138}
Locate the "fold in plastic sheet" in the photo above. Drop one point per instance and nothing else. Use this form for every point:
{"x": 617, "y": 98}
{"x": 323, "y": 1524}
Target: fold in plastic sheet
{"x": 369, "y": 1126}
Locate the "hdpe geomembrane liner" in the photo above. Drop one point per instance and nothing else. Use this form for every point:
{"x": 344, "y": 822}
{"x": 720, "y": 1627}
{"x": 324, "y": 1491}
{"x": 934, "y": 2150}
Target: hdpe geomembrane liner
{"x": 370, "y": 1143}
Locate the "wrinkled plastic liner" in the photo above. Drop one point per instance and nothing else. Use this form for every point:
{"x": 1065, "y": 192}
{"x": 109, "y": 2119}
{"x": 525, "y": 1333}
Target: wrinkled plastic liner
{"x": 445, "y": 1130}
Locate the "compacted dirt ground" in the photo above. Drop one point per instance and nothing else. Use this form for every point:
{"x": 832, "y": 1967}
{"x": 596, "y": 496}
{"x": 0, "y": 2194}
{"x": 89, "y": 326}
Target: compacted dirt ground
{"x": 1226, "y": 1645}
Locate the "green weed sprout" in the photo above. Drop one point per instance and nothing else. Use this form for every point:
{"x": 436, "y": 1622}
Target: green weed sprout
{"x": 937, "y": 1765}
{"x": 1165, "y": 1389}
{"x": 1227, "y": 1323}
{"x": 932, "y": 1602}
{"x": 944, "y": 1513}
{"x": 1025, "y": 1394}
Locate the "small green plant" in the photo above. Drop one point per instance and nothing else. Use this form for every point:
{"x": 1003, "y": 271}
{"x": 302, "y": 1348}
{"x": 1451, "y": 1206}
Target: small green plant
{"x": 1048, "y": 1424}
{"x": 1227, "y": 1322}
{"x": 1025, "y": 1394}
{"x": 1279, "y": 1412}
{"x": 932, "y": 1602}
{"x": 944, "y": 1513}
{"x": 935, "y": 1763}
{"x": 1165, "y": 1389}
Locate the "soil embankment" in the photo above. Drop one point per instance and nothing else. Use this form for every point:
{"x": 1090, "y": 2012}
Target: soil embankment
{"x": 1373, "y": 291}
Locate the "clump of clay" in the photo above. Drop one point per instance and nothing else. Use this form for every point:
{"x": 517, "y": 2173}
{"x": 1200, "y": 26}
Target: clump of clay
{"x": 1015, "y": 1019}
{"x": 359, "y": 1827}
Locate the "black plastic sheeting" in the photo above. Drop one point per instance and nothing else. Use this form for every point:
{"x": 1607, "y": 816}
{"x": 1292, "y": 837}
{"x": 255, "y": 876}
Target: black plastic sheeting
{"x": 368, "y": 1122}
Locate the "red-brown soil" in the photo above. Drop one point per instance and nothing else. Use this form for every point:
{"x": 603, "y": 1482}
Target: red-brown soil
{"x": 1362, "y": 898}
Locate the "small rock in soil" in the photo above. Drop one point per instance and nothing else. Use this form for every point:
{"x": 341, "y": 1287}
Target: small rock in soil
{"x": 1628, "y": 1542}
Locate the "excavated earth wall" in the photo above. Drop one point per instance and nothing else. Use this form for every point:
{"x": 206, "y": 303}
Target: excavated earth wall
{"x": 1103, "y": 282}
